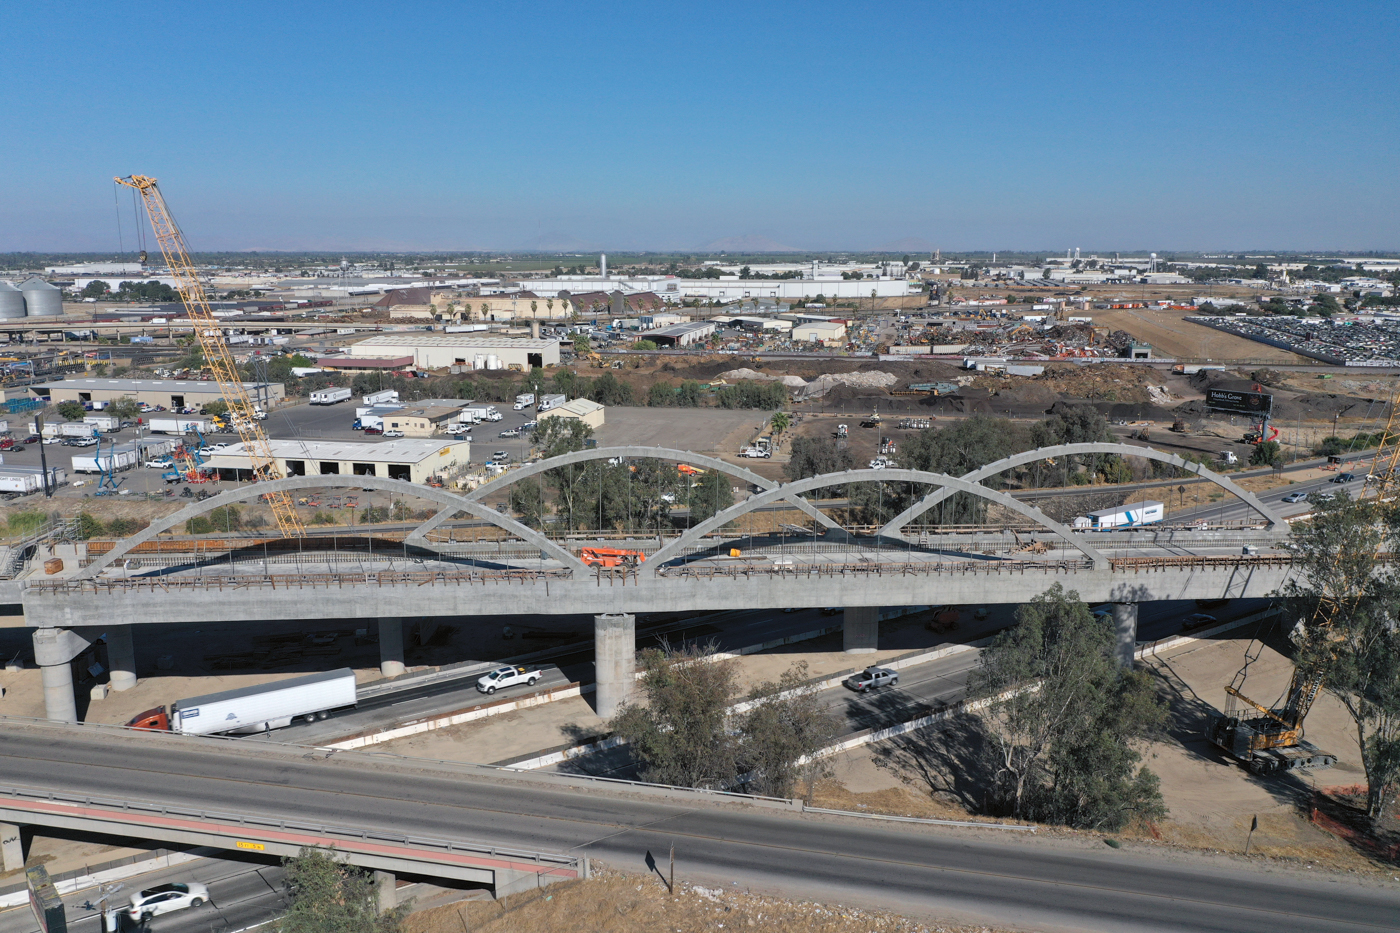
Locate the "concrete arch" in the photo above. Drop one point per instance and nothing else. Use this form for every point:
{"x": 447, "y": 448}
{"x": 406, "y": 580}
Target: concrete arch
{"x": 897, "y": 523}
{"x": 449, "y": 500}
{"x": 607, "y": 453}
{"x": 655, "y": 561}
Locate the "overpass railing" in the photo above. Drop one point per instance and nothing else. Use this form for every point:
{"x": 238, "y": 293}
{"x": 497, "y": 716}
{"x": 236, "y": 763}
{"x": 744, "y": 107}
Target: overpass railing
{"x": 424, "y": 846}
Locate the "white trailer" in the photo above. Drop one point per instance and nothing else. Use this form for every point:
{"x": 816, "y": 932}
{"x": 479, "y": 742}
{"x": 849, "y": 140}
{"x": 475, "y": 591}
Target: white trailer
{"x": 76, "y": 429}
{"x": 103, "y": 422}
{"x": 111, "y": 460}
{"x": 180, "y": 426}
{"x": 551, "y": 402}
{"x": 524, "y": 401}
{"x": 388, "y": 396}
{"x": 29, "y": 479}
{"x": 267, "y": 706}
{"x": 330, "y": 396}
{"x": 1125, "y": 516}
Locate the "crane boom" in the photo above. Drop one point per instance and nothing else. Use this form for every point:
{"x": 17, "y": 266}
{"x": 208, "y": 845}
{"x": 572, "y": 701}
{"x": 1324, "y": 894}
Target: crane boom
{"x": 242, "y": 412}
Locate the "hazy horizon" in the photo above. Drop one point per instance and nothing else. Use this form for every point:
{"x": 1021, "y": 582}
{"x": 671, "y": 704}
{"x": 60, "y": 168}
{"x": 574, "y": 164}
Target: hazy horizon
{"x": 826, "y": 127}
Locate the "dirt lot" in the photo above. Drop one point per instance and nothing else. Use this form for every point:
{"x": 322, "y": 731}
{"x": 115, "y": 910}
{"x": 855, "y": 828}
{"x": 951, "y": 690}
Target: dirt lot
{"x": 703, "y": 430}
{"x": 1211, "y": 800}
{"x": 1173, "y": 337}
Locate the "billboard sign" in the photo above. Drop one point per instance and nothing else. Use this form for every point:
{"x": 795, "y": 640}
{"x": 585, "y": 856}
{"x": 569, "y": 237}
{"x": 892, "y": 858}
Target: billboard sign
{"x": 1240, "y": 403}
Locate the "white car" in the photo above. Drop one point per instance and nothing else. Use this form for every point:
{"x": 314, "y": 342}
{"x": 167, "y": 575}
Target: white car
{"x": 219, "y": 446}
{"x": 393, "y": 433}
{"x": 166, "y": 898}
{"x": 508, "y": 677}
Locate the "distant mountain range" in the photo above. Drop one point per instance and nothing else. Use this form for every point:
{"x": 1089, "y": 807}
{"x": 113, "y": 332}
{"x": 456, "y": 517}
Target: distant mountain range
{"x": 909, "y": 244}
{"x": 748, "y": 243}
{"x": 557, "y": 243}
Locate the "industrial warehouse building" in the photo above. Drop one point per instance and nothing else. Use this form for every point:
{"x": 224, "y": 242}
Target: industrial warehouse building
{"x": 170, "y": 393}
{"x": 681, "y": 335}
{"x": 407, "y": 459}
{"x": 580, "y": 409}
{"x": 826, "y": 333}
{"x": 438, "y": 351}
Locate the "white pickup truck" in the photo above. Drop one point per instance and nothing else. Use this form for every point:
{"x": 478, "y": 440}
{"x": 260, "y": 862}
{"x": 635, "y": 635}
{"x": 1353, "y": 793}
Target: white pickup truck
{"x": 510, "y": 676}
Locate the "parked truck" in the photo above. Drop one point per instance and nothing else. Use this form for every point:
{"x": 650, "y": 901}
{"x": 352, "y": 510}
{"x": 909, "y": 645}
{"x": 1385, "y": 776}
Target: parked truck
{"x": 1125, "y": 516}
{"x": 479, "y": 413}
{"x": 103, "y": 422}
{"x": 254, "y": 709}
{"x": 330, "y": 396}
{"x": 100, "y": 461}
{"x": 180, "y": 426}
{"x": 524, "y": 401}
{"x": 387, "y": 397}
{"x": 551, "y": 402}
{"x": 76, "y": 429}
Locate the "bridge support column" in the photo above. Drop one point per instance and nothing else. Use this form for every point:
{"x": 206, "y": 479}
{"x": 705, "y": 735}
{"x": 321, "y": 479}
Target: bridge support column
{"x": 1125, "y": 621}
{"x": 860, "y": 630}
{"x": 11, "y": 847}
{"x": 386, "y": 890}
{"x": 54, "y": 648}
{"x": 614, "y": 660}
{"x": 121, "y": 657}
{"x": 391, "y": 647}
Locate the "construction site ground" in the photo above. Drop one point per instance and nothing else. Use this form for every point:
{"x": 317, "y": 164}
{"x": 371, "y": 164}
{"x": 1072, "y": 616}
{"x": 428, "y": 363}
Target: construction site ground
{"x": 1211, "y": 799}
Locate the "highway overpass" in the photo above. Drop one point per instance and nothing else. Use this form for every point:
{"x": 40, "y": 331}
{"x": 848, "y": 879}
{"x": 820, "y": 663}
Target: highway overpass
{"x": 1060, "y": 883}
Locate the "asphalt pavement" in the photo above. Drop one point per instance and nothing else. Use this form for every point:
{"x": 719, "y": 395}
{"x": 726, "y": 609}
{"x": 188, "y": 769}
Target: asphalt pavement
{"x": 1045, "y": 883}
{"x": 242, "y": 894}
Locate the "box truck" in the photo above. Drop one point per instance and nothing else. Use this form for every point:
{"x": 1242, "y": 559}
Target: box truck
{"x": 550, "y": 402}
{"x": 180, "y": 426}
{"x": 99, "y": 460}
{"x": 254, "y": 709}
{"x": 1125, "y": 516}
{"x": 524, "y": 401}
{"x": 329, "y": 396}
{"x": 29, "y": 479}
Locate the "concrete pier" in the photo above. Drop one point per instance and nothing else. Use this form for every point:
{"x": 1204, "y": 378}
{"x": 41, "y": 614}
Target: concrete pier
{"x": 1125, "y": 623}
{"x": 386, "y": 890}
{"x": 391, "y": 646}
{"x": 121, "y": 657}
{"x": 54, "y": 649}
{"x": 11, "y": 847}
{"x": 615, "y": 660}
{"x": 860, "y": 631}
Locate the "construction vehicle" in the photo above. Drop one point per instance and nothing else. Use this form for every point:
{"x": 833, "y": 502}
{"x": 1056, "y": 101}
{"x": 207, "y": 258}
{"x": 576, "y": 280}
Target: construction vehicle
{"x": 611, "y": 557}
{"x": 218, "y": 359}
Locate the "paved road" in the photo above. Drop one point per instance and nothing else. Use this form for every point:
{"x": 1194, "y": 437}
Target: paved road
{"x": 241, "y": 894}
{"x": 1048, "y": 883}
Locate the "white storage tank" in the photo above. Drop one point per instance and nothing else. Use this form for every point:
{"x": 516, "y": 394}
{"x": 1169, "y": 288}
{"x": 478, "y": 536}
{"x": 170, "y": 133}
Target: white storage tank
{"x": 493, "y": 361}
{"x": 41, "y": 299}
{"x": 11, "y": 302}
{"x": 479, "y": 361}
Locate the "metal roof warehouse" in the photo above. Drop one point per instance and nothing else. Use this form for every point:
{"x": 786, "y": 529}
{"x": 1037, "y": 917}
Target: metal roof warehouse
{"x": 408, "y": 459}
{"x": 172, "y": 393}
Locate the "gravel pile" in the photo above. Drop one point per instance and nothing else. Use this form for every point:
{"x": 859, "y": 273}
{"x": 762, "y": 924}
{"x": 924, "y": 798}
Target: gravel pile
{"x": 872, "y": 380}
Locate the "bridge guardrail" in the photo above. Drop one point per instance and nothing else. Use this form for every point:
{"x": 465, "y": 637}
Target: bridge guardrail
{"x": 236, "y": 821}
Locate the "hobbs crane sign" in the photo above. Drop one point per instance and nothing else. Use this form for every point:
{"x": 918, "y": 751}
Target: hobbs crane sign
{"x": 1258, "y": 404}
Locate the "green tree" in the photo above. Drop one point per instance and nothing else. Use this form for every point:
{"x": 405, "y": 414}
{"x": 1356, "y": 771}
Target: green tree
{"x": 582, "y": 343}
{"x": 813, "y": 456}
{"x": 89, "y": 527}
{"x": 711, "y": 494}
{"x": 218, "y": 407}
{"x": 644, "y": 345}
{"x": 781, "y": 422}
{"x": 1266, "y": 453}
{"x": 1354, "y": 648}
{"x": 327, "y": 896}
{"x": 95, "y": 289}
{"x": 71, "y": 411}
{"x": 785, "y": 725}
{"x": 527, "y": 502}
{"x": 680, "y": 732}
{"x": 125, "y": 408}
{"x": 691, "y": 394}
{"x": 661, "y": 395}
{"x": 1065, "y": 718}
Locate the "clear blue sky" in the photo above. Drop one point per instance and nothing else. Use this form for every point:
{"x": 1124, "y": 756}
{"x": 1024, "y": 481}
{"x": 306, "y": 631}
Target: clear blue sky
{"x": 341, "y": 126}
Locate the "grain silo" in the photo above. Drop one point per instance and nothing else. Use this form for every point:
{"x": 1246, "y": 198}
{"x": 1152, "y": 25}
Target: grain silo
{"x": 41, "y": 299}
{"x": 11, "y": 302}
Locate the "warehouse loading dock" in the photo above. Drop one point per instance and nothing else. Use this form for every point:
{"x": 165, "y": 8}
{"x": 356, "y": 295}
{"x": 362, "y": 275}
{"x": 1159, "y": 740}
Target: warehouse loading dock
{"x": 170, "y": 393}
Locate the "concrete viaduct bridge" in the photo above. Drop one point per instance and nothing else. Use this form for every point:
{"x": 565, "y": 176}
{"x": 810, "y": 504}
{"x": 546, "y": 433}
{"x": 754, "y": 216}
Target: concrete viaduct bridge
{"x": 861, "y": 575}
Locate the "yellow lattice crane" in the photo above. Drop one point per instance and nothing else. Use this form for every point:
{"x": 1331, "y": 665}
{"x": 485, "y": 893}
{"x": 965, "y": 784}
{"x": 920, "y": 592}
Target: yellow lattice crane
{"x": 1268, "y": 739}
{"x": 242, "y": 411}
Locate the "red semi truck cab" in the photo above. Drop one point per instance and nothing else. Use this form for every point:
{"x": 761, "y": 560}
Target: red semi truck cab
{"x": 154, "y": 720}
